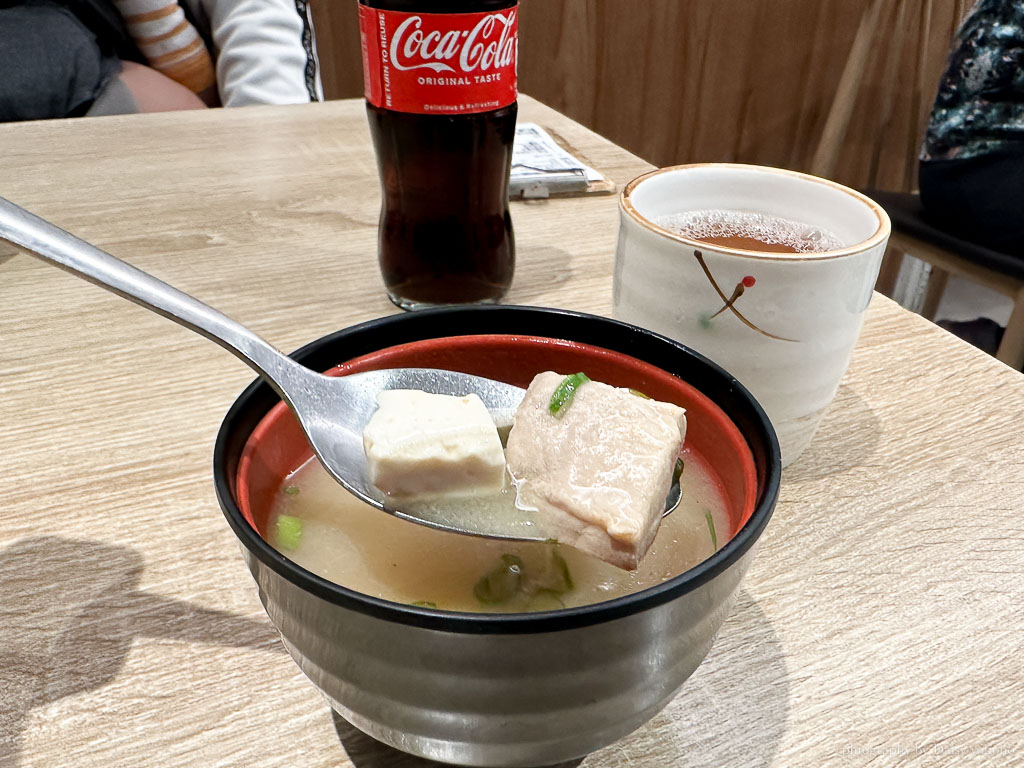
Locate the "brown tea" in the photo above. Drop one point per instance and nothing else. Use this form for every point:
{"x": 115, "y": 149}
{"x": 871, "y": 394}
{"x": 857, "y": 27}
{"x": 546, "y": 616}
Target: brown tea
{"x": 750, "y": 231}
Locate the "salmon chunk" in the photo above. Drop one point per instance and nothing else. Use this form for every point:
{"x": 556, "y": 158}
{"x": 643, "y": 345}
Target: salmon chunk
{"x": 597, "y": 472}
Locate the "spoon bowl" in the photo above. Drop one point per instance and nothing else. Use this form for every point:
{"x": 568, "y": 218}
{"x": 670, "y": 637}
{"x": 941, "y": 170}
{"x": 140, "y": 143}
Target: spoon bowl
{"x": 333, "y": 410}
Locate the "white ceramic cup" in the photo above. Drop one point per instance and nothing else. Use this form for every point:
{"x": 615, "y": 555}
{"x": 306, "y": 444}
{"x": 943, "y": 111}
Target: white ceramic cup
{"x": 789, "y": 333}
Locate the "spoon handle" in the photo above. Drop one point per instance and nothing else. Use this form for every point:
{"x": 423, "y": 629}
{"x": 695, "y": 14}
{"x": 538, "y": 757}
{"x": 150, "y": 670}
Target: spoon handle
{"x": 50, "y": 243}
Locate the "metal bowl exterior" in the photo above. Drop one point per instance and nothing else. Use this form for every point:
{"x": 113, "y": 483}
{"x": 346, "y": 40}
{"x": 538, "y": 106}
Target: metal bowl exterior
{"x": 493, "y": 690}
{"x": 493, "y": 699}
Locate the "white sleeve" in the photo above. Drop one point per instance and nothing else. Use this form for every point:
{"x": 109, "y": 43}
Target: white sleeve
{"x": 265, "y": 51}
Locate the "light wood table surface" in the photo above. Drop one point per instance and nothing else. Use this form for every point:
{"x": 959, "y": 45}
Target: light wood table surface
{"x": 882, "y": 622}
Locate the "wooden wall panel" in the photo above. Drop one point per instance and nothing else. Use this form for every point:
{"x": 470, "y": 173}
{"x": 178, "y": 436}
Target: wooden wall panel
{"x": 337, "y": 43}
{"x": 718, "y": 80}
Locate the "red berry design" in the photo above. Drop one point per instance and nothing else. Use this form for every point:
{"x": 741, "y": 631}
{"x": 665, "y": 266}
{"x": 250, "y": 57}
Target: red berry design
{"x": 730, "y": 303}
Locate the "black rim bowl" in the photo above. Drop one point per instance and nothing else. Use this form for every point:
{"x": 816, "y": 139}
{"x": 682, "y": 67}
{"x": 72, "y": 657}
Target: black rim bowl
{"x": 324, "y": 353}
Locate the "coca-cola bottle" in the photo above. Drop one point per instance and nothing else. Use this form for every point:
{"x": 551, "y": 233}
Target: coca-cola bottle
{"x": 440, "y": 80}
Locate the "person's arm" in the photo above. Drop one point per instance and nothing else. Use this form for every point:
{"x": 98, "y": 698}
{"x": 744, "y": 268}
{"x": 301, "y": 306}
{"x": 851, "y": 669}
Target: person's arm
{"x": 264, "y": 51}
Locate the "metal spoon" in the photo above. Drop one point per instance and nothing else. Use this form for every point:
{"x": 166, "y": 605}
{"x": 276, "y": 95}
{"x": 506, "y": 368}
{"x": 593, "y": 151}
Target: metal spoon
{"x": 332, "y": 410}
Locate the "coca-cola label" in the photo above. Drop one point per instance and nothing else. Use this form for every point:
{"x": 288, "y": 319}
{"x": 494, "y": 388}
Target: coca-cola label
{"x": 439, "y": 63}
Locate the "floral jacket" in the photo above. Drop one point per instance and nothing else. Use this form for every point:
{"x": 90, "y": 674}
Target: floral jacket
{"x": 980, "y": 105}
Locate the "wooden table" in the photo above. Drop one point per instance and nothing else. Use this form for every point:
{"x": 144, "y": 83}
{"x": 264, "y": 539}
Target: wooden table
{"x": 881, "y": 623}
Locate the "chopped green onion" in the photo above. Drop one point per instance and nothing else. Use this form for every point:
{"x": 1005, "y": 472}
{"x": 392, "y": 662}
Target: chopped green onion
{"x": 512, "y": 579}
{"x": 502, "y": 583}
{"x": 289, "y": 531}
{"x": 424, "y": 604}
{"x": 678, "y": 471}
{"x": 565, "y": 391}
{"x": 558, "y": 577}
{"x": 711, "y": 527}
{"x": 638, "y": 393}
{"x": 291, "y": 490}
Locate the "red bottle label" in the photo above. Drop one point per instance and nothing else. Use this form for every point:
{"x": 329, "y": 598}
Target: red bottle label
{"x": 439, "y": 63}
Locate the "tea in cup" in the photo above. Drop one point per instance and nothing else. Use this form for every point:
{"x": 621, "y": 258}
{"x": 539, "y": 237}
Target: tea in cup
{"x": 765, "y": 271}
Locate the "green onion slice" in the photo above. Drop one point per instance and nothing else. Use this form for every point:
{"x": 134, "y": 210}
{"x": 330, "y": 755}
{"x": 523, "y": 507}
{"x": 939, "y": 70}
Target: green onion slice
{"x": 559, "y": 579}
{"x": 291, "y": 490}
{"x": 502, "y": 583}
{"x": 424, "y": 604}
{"x": 552, "y": 575}
{"x": 711, "y": 528}
{"x": 289, "y": 531}
{"x": 638, "y": 393}
{"x": 565, "y": 391}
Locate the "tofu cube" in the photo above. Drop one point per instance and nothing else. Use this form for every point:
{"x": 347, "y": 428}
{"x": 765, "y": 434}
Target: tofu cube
{"x": 419, "y": 444}
{"x": 599, "y": 471}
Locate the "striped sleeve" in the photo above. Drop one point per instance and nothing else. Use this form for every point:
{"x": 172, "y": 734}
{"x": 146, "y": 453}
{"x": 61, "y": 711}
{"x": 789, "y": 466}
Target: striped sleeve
{"x": 169, "y": 42}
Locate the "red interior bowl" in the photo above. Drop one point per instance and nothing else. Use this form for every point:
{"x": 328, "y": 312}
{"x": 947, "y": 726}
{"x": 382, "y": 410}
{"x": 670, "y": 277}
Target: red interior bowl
{"x": 277, "y": 445}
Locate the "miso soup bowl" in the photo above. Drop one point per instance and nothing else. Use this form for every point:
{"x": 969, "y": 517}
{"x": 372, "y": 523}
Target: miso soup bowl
{"x": 503, "y": 689}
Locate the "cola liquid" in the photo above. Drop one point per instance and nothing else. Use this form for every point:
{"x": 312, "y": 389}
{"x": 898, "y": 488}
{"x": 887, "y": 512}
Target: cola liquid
{"x": 442, "y": 112}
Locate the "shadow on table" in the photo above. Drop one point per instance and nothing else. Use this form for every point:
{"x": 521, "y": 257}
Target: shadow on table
{"x": 848, "y": 437}
{"x": 732, "y": 711}
{"x": 366, "y": 752}
{"x": 69, "y": 610}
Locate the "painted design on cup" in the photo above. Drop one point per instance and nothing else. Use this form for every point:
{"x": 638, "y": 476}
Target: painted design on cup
{"x": 730, "y": 303}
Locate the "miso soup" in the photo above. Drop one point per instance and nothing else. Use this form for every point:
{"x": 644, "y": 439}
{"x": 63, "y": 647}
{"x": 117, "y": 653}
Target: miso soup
{"x": 325, "y": 529}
